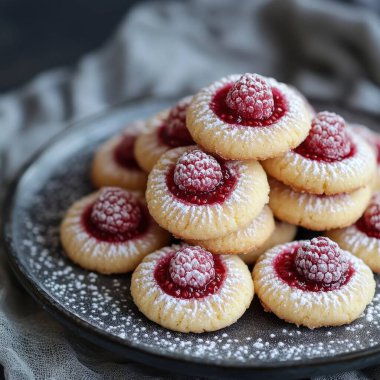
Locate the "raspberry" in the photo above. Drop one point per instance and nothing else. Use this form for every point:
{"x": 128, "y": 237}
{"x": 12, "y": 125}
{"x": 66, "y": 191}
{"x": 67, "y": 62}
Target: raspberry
{"x": 116, "y": 211}
{"x": 251, "y": 97}
{"x": 372, "y": 214}
{"x": 176, "y": 123}
{"x": 192, "y": 267}
{"x": 196, "y": 171}
{"x": 328, "y": 137}
{"x": 321, "y": 260}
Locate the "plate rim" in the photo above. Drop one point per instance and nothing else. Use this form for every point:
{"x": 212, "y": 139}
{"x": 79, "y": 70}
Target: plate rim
{"x": 354, "y": 360}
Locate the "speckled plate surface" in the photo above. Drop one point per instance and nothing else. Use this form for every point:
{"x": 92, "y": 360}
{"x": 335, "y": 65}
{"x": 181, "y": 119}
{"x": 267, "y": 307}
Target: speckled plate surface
{"x": 100, "y": 308}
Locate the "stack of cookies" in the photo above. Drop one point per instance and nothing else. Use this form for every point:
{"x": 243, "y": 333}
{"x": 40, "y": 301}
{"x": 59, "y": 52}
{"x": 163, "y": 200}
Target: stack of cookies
{"x": 231, "y": 172}
{"x": 325, "y": 182}
{"x": 213, "y": 195}
{"x": 372, "y": 138}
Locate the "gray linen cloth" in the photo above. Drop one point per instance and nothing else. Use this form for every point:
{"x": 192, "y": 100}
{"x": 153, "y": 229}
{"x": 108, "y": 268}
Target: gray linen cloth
{"x": 328, "y": 50}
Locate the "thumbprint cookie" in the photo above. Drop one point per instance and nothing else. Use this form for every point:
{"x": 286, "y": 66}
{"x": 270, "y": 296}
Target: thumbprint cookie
{"x": 373, "y": 139}
{"x": 363, "y": 237}
{"x": 110, "y": 231}
{"x": 243, "y": 117}
{"x": 283, "y": 233}
{"x": 243, "y": 240}
{"x": 313, "y": 283}
{"x": 167, "y": 131}
{"x": 331, "y": 160}
{"x": 114, "y": 163}
{"x": 317, "y": 212}
{"x": 188, "y": 289}
{"x": 197, "y": 196}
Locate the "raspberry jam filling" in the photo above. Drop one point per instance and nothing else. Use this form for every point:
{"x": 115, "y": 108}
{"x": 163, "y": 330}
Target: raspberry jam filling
{"x": 120, "y": 237}
{"x": 307, "y": 153}
{"x": 174, "y": 139}
{"x": 180, "y": 278}
{"x": 123, "y": 153}
{"x": 219, "y": 106}
{"x": 377, "y": 145}
{"x": 218, "y": 195}
{"x": 286, "y": 269}
{"x": 363, "y": 227}
{"x": 173, "y": 131}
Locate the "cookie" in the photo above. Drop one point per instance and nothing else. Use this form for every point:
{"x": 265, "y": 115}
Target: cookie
{"x": 243, "y": 240}
{"x": 188, "y": 289}
{"x": 363, "y": 237}
{"x": 244, "y": 117}
{"x": 331, "y": 160}
{"x": 167, "y": 131}
{"x": 317, "y": 212}
{"x": 110, "y": 231}
{"x": 114, "y": 163}
{"x": 313, "y": 283}
{"x": 283, "y": 233}
{"x": 373, "y": 139}
{"x": 198, "y": 196}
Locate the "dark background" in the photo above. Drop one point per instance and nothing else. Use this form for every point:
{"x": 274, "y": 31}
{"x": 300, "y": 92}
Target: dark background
{"x": 36, "y": 35}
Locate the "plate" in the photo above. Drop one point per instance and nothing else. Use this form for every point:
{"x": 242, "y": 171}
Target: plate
{"x": 100, "y": 308}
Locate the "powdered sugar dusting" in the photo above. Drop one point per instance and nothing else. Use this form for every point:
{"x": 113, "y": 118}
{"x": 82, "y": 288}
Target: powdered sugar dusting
{"x": 331, "y": 204}
{"x": 211, "y": 305}
{"x": 249, "y": 193}
{"x": 301, "y": 299}
{"x": 176, "y": 120}
{"x": 305, "y": 173}
{"x": 372, "y": 213}
{"x": 105, "y": 303}
{"x": 357, "y": 241}
{"x": 224, "y": 133}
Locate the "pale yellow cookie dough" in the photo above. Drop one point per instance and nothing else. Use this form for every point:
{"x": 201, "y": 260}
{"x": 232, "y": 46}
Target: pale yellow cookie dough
{"x": 319, "y": 177}
{"x": 239, "y": 142}
{"x": 213, "y": 312}
{"x": 365, "y": 247}
{"x": 243, "y": 240}
{"x": 313, "y": 309}
{"x": 106, "y": 171}
{"x": 283, "y": 233}
{"x": 148, "y": 147}
{"x": 209, "y": 221}
{"x": 102, "y": 256}
{"x": 317, "y": 212}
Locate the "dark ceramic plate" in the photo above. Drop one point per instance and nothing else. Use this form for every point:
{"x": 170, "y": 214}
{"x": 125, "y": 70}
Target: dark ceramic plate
{"x": 100, "y": 308}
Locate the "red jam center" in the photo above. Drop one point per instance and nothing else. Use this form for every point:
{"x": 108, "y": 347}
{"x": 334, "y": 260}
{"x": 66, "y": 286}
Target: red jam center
{"x": 219, "y": 107}
{"x": 304, "y": 151}
{"x": 286, "y": 269}
{"x": 162, "y": 276}
{"x": 173, "y": 141}
{"x": 377, "y": 144}
{"x": 363, "y": 227}
{"x": 91, "y": 228}
{"x": 123, "y": 153}
{"x": 218, "y": 195}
